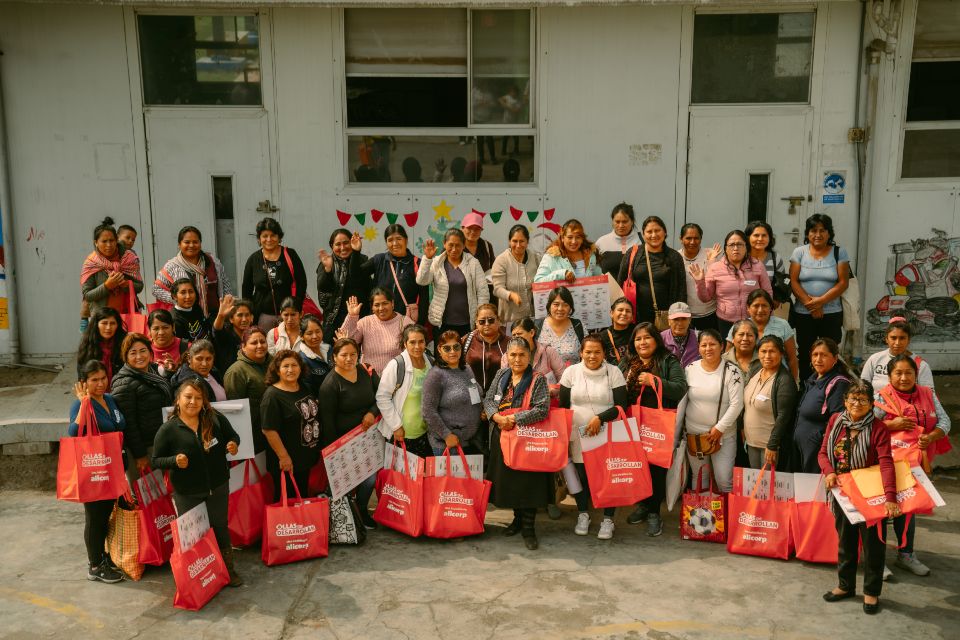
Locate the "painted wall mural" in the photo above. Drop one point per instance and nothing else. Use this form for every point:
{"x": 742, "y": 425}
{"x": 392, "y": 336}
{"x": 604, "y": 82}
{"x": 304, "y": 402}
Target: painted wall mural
{"x": 923, "y": 286}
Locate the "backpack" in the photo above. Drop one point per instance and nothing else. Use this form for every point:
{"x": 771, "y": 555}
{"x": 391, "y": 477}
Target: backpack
{"x": 402, "y": 372}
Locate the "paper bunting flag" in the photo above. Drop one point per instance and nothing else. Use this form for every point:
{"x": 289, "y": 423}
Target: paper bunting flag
{"x": 548, "y": 213}
{"x": 532, "y": 215}
{"x": 361, "y": 217}
{"x": 343, "y": 217}
{"x": 479, "y": 213}
{"x": 411, "y": 218}
{"x": 516, "y": 213}
{"x": 392, "y": 217}
{"x": 376, "y": 214}
{"x": 495, "y": 216}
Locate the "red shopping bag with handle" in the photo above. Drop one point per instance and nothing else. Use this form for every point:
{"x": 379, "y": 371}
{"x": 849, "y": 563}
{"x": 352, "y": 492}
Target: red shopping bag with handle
{"x": 317, "y": 482}
{"x": 454, "y": 507}
{"x": 246, "y": 506}
{"x": 758, "y": 527}
{"x": 156, "y": 516}
{"x": 629, "y": 284}
{"x": 295, "y": 530}
{"x": 90, "y": 465}
{"x": 814, "y": 529}
{"x": 134, "y": 321}
{"x": 199, "y": 572}
{"x": 541, "y": 446}
{"x": 400, "y": 497}
{"x": 616, "y": 468}
{"x": 864, "y": 487}
{"x": 703, "y": 516}
{"x": 656, "y": 427}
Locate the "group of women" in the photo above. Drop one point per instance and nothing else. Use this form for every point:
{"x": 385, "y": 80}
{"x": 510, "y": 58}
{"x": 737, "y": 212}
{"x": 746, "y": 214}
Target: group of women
{"x": 705, "y": 336}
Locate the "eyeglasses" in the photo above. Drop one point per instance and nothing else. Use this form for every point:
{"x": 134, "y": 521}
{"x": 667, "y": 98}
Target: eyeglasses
{"x": 450, "y": 348}
{"x": 860, "y": 401}
{"x": 486, "y": 320}
{"x": 736, "y": 245}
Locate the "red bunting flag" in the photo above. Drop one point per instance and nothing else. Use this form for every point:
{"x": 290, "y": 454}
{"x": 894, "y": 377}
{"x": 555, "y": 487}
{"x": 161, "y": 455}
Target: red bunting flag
{"x": 411, "y": 218}
{"x": 376, "y": 214}
{"x": 548, "y": 213}
{"x": 516, "y": 213}
{"x": 343, "y": 217}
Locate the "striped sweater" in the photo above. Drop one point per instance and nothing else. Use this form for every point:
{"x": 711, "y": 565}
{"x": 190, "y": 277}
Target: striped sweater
{"x": 379, "y": 340}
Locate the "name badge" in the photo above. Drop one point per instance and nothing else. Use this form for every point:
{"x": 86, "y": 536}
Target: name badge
{"x": 762, "y": 398}
{"x": 474, "y": 394}
{"x": 750, "y": 283}
{"x": 212, "y": 444}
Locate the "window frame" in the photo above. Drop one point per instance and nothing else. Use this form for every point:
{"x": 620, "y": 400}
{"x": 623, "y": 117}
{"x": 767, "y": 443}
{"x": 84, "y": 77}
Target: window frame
{"x": 470, "y": 130}
{"x": 905, "y": 60}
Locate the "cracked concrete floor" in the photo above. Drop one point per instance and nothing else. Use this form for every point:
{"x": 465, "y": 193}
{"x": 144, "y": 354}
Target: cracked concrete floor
{"x": 485, "y": 587}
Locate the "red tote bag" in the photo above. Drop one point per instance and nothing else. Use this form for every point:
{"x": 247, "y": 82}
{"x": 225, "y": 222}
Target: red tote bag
{"x": 198, "y": 572}
{"x": 246, "y": 506}
{"x": 317, "y": 482}
{"x": 657, "y": 427}
{"x": 704, "y": 516}
{"x": 400, "y": 498}
{"x": 90, "y": 466}
{"x": 156, "y": 522}
{"x": 541, "y": 446}
{"x": 133, "y": 321}
{"x": 295, "y": 530}
{"x": 617, "y": 471}
{"x": 454, "y": 507}
{"x": 629, "y": 284}
{"x": 911, "y": 496}
{"x": 814, "y": 530}
{"x": 758, "y": 527}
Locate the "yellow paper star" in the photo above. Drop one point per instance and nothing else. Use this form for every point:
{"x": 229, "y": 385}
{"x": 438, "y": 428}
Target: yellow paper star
{"x": 443, "y": 210}
{"x": 370, "y": 233}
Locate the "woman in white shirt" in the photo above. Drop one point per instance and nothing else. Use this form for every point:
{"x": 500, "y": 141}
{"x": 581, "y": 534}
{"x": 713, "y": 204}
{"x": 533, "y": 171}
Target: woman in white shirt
{"x": 710, "y": 410}
{"x": 703, "y": 314}
{"x": 594, "y": 389}
{"x": 286, "y": 335}
{"x": 401, "y": 391}
{"x": 897, "y": 337}
{"x": 624, "y": 237}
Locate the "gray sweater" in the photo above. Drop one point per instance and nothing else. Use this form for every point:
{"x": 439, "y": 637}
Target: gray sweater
{"x": 447, "y": 406}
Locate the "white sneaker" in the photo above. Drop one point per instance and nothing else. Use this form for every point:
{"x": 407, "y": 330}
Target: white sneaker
{"x": 887, "y": 574}
{"x": 909, "y": 562}
{"x": 583, "y": 524}
{"x": 606, "y": 529}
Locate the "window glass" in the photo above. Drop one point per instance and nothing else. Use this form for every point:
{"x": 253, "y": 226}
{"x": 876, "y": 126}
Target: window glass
{"x": 500, "y": 90}
{"x": 440, "y": 158}
{"x": 406, "y": 41}
{"x": 934, "y": 92}
{"x": 937, "y": 33}
{"x": 200, "y": 60}
{"x": 931, "y": 153}
{"x": 752, "y": 57}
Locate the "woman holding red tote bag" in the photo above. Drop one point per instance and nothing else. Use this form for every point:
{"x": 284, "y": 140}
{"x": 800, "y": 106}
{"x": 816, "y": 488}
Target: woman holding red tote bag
{"x": 87, "y": 454}
{"x": 517, "y": 398}
{"x": 855, "y": 439}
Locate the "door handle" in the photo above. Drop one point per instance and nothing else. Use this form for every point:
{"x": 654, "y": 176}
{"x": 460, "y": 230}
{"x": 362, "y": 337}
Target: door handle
{"x": 795, "y": 233}
{"x": 265, "y": 206}
{"x": 795, "y": 201}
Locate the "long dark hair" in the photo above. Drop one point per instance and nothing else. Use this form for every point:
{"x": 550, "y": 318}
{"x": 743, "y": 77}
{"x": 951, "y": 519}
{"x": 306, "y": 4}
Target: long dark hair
{"x": 834, "y": 349}
{"x": 206, "y": 411}
{"x": 90, "y": 348}
{"x": 651, "y": 329}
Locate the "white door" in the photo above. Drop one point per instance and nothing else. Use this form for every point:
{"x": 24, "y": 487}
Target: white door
{"x": 209, "y": 169}
{"x": 749, "y": 163}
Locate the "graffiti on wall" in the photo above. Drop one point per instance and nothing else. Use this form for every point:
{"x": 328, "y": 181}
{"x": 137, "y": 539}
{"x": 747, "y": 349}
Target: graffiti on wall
{"x": 923, "y": 286}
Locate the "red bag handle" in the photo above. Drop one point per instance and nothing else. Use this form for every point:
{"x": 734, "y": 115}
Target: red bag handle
{"x": 756, "y": 485}
{"x": 526, "y": 396}
{"x": 87, "y": 419}
{"x": 463, "y": 457}
{"x": 406, "y": 462}
{"x": 623, "y": 417}
{"x": 144, "y": 476}
{"x": 710, "y": 488}
{"x": 131, "y": 304}
{"x": 283, "y": 487}
{"x": 246, "y": 472}
{"x": 657, "y": 387}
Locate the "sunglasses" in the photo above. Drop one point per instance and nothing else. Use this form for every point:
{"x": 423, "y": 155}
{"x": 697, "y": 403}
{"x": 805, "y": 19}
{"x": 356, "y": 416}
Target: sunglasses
{"x": 450, "y": 348}
{"x": 486, "y": 320}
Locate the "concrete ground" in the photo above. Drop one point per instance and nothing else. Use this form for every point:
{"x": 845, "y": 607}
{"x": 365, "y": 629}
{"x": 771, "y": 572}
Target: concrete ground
{"x": 484, "y": 587}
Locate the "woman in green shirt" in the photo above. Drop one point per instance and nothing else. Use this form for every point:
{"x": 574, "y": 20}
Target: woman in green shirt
{"x": 401, "y": 390}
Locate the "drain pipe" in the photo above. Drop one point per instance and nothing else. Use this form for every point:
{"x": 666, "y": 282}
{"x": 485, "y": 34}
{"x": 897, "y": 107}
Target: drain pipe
{"x": 6, "y": 220}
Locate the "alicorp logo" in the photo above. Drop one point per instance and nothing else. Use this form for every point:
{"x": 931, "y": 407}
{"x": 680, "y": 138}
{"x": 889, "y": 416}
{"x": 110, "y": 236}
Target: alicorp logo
{"x": 95, "y": 460}
{"x": 753, "y": 521}
{"x": 199, "y": 565}
{"x": 294, "y": 529}
{"x": 395, "y": 493}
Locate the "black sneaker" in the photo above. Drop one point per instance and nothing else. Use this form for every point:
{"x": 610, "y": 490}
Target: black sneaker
{"x": 654, "y": 525}
{"x": 103, "y": 572}
{"x": 368, "y": 521}
{"x": 639, "y": 514}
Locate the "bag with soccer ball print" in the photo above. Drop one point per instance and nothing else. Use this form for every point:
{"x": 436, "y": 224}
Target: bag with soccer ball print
{"x": 703, "y": 516}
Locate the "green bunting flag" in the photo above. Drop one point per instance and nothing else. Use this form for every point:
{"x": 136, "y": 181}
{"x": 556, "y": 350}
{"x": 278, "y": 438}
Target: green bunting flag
{"x": 392, "y": 217}
{"x": 495, "y": 216}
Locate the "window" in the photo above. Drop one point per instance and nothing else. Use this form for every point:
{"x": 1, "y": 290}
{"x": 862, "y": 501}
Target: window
{"x": 931, "y": 137}
{"x": 439, "y": 95}
{"x": 752, "y": 58}
{"x": 200, "y": 60}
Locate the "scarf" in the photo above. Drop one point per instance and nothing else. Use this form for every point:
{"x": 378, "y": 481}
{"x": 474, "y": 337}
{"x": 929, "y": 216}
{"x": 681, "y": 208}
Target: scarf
{"x": 197, "y": 273}
{"x": 106, "y": 349}
{"x": 856, "y": 450}
{"x": 520, "y": 390}
{"x": 128, "y": 264}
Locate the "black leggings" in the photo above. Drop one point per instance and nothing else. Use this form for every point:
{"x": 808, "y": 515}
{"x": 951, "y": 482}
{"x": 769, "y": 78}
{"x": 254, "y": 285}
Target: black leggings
{"x": 658, "y": 478}
{"x": 95, "y": 525}
{"x": 302, "y": 478}
{"x": 809, "y": 329}
{"x": 583, "y": 498}
{"x": 526, "y": 518}
{"x": 217, "y": 502}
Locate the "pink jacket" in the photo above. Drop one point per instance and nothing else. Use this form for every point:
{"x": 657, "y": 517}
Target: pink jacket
{"x": 731, "y": 286}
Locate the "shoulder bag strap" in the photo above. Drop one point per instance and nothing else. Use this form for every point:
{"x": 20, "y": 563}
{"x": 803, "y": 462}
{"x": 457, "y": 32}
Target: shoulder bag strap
{"x": 723, "y": 379}
{"x": 396, "y": 281}
{"x": 653, "y": 294}
{"x": 613, "y": 344}
{"x": 293, "y": 276}
{"x": 269, "y": 282}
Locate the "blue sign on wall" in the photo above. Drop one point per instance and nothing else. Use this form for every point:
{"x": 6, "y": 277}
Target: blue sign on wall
{"x": 834, "y": 184}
